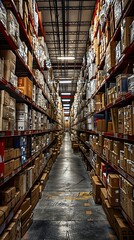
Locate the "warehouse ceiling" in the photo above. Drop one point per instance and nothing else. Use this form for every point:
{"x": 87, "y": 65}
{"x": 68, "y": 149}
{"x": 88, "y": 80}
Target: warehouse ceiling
{"x": 66, "y": 24}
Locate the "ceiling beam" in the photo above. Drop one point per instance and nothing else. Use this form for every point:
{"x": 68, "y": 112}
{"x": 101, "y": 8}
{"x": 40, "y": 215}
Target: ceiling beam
{"x": 70, "y": 41}
{"x": 77, "y": 8}
{"x": 46, "y": 1}
{"x": 82, "y": 23}
{"x": 70, "y": 33}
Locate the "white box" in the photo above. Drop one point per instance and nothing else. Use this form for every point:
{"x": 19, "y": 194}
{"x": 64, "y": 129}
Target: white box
{"x": 22, "y": 116}
{"x": 22, "y": 125}
{"x": 22, "y": 107}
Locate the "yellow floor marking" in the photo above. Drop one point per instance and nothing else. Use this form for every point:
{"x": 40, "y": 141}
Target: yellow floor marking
{"x": 88, "y": 212}
{"x": 86, "y": 204}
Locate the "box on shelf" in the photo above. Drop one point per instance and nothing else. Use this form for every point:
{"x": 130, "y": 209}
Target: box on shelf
{"x": 113, "y": 180}
{"x": 97, "y": 185}
{"x": 117, "y": 11}
{"x": 25, "y": 85}
{"x": 1, "y": 67}
{"x": 20, "y": 183}
{"x": 125, "y": 32}
{"x": 3, "y": 15}
{"x": 110, "y": 55}
{"x": 12, "y": 26}
{"x": 19, "y": 6}
{"x": 132, "y": 32}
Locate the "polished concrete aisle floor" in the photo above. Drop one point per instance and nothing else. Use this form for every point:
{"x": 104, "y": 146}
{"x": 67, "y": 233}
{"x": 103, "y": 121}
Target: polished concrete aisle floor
{"x": 66, "y": 209}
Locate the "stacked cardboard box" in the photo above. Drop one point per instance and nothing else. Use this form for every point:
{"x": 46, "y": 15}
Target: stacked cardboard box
{"x": 125, "y": 32}
{"x": 7, "y": 112}
{"x": 8, "y": 197}
{"x": 97, "y": 185}
{"x": 27, "y": 216}
{"x": 12, "y": 26}
{"x": 35, "y": 194}
{"x": 110, "y": 56}
{"x": 127, "y": 197}
{"x": 25, "y": 85}
{"x": 129, "y": 119}
{"x": 113, "y": 190}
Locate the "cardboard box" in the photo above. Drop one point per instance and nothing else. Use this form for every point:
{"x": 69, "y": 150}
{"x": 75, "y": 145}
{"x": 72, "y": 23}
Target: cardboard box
{"x": 103, "y": 194}
{"x": 113, "y": 180}
{"x": 19, "y": 6}
{"x": 8, "y": 168}
{"x": 114, "y": 202}
{"x": 26, "y": 225}
{"x": 125, "y": 32}
{"x": 114, "y": 192}
{"x": 97, "y": 185}
{"x": 20, "y": 183}
{"x": 12, "y": 229}
{"x": 5, "y": 236}
{"x": 26, "y": 215}
{"x": 22, "y": 107}
{"x": 30, "y": 60}
{"x": 25, "y": 85}
{"x": 7, "y": 194}
{"x": 25, "y": 205}
{"x": 4, "y": 211}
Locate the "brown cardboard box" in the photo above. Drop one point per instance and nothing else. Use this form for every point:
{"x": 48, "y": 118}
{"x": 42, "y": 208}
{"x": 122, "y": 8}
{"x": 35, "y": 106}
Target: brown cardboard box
{"x": 5, "y": 236}
{"x": 30, "y": 60}
{"x": 126, "y": 22}
{"x": 25, "y": 205}
{"x": 17, "y": 217}
{"x": 8, "y": 55}
{"x": 12, "y": 228}
{"x": 8, "y": 154}
{"x": 25, "y": 86}
{"x": 17, "y": 163}
{"x": 20, "y": 183}
{"x": 114, "y": 202}
{"x": 26, "y": 225}
{"x": 103, "y": 194}
{"x": 26, "y": 215}
{"x": 97, "y": 185}
{"x": 4, "y": 211}
{"x": 8, "y": 168}
{"x": 19, "y": 5}
{"x": 122, "y": 228}
{"x": 114, "y": 192}
{"x": 113, "y": 180}
{"x": 8, "y": 194}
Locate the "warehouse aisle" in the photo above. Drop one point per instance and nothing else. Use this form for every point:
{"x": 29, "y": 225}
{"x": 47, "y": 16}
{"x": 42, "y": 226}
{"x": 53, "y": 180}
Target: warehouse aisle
{"x": 67, "y": 210}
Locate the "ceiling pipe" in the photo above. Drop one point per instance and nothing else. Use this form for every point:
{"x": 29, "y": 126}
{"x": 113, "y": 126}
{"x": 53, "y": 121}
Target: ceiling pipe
{"x": 57, "y": 21}
{"x": 63, "y": 23}
{"x": 52, "y": 25}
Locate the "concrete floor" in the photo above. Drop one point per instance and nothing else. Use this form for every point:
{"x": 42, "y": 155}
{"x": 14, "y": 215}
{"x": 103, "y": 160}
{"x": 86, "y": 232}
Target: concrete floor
{"x": 67, "y": 210}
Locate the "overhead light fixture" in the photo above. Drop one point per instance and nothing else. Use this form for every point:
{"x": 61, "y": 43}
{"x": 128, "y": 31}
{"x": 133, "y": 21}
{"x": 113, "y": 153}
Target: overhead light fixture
{"x": 66, "y": 58}
{"x": 64, "y": 81}
{"x": 66, "y": 94}
{"x": 66, "y": 112}
{"x": 64, "y": 78}
{"x": 66, "y": 105}
{"x": 65, "y": 100}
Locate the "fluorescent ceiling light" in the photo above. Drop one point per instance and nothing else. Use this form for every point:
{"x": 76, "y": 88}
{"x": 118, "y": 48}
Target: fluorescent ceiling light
{"x": 64, "y": 78}
{"x": 66, "y": 112}
{"x": 64, "y": 81}
{"x": 66, "y": 105}
{"x": 65, "y": 100}
{"x": 66, "y": 94}
{"x": 66, "y": 58}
